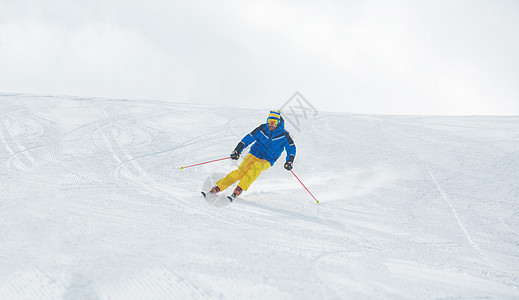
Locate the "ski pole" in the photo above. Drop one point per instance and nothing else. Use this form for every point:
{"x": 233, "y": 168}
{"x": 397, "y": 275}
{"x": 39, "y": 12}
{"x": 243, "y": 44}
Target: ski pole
{"x": 304, "y": 185}
{"x": 181, "y": 168}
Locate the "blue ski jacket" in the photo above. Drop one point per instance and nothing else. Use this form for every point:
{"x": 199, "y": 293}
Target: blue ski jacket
{"x": 268, "y": 144}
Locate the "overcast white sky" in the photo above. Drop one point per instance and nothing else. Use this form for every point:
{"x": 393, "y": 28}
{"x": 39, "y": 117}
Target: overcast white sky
{"x": 389, "y": 57}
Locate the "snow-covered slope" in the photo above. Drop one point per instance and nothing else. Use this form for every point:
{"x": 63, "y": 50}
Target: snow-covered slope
{"x": 94, "y": 205}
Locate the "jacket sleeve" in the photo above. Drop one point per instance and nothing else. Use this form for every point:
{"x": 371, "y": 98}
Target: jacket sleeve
{"x": 290, "y": 148}
{"x": 251, "y": 137}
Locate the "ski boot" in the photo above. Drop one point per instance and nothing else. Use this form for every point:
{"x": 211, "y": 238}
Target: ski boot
{"x": 236, "y": 193}
{"x": 214, "y": 190}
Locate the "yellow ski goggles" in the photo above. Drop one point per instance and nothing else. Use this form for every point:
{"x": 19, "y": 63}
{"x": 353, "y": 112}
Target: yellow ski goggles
{"x": 273, "y": 121}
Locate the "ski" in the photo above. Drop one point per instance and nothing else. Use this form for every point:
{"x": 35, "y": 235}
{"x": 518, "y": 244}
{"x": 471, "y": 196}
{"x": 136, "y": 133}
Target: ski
{"x": 210, "y": 195}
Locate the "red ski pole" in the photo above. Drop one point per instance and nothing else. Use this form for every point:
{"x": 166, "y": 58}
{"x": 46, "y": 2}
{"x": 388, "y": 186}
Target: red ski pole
{"x": 304, "y": 186}
{"x": 181, "y": 168}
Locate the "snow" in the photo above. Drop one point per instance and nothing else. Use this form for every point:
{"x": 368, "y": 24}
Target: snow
{"x": 94, "y": 205}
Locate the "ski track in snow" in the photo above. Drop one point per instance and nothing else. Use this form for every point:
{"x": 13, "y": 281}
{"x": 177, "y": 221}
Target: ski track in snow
{"x": 458, "y": 220}
{"x": 12, "y": 144}
{"x": 94, "y": 205}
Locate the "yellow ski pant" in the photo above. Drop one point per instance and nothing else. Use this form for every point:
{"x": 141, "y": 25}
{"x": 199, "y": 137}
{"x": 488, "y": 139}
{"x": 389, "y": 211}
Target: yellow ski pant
{"x": 249, "y": 169}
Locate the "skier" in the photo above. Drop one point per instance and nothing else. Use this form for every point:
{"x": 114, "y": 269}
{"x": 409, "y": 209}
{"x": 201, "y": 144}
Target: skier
{"x": 268, "y": 141}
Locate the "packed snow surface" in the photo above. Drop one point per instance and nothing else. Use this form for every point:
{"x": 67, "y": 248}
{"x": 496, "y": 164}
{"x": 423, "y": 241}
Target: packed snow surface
{"x": 94, "y": 205}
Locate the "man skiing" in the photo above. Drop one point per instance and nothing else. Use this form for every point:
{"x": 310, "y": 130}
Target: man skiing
{"x": 268, "y": 142}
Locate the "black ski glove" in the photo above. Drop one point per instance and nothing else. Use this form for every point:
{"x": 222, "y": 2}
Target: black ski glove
{"x": 290, "y": 162}
{"x": 235, "y": 155}
{"x": 237, "y": 151}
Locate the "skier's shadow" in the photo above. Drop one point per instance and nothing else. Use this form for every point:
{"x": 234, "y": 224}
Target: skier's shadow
{"x": 296, "y": 215}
